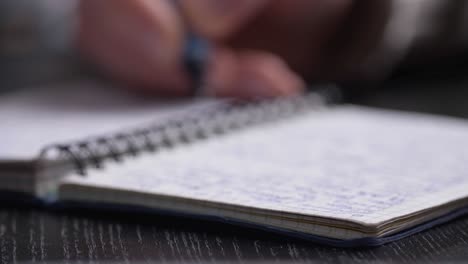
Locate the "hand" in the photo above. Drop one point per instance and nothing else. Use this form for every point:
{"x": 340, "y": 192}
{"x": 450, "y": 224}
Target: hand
{"x": 262, "y": 47}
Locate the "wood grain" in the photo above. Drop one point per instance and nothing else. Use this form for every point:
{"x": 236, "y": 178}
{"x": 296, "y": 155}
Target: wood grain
{"x": 91, "y": 237}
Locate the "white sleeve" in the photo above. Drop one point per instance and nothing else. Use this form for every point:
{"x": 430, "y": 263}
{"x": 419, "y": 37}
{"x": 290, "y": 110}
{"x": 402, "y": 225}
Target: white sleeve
{"x": 418, "y": 28}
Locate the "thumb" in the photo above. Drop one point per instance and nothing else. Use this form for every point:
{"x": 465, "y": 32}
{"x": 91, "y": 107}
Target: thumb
{"x": 219, "y": 19}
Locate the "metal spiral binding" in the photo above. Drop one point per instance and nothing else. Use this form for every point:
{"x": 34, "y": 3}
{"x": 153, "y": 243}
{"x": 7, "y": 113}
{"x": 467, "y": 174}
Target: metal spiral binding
{"x": 93, "y": 153}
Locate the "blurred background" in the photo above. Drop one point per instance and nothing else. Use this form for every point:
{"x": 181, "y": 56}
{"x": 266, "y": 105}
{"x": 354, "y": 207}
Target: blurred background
{"x": 36, "y": 42}
{"x": 36, "y": 48}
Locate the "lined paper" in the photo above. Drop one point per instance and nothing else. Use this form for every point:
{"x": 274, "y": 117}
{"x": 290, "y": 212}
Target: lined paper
{"x": 350, "y": 163}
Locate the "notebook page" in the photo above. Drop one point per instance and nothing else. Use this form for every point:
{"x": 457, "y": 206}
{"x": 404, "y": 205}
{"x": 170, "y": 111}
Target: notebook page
{"x": 349, "y": 163}
{"x": 39, "y": 116}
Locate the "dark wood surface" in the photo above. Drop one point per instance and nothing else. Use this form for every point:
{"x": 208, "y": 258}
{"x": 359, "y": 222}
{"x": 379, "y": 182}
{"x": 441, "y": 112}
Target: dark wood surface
{"x": 86, "y": 237}
{"x": 37, "y": 235}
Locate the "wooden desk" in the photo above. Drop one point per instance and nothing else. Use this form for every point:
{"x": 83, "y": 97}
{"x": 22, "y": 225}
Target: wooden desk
{"x": 40, "y": 236}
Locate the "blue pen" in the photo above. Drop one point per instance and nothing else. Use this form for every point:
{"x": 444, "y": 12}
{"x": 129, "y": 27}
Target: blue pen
{"x": 195, "y": 56}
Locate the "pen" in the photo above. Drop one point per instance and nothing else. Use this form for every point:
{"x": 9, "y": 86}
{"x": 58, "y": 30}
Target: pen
{"x": 195, "y": 56}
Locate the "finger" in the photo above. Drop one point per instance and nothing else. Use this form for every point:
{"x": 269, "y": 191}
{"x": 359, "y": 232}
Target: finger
{"x": 298, "y": 31}
{"x": 122, "y": 62}
{"x": 218, "y": 19}
{"x": 251, "y": 75}
{"x": 136, "y": 41}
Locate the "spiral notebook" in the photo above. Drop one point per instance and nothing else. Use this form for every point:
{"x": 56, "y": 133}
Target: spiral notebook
{"x": 343, "y": 175}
